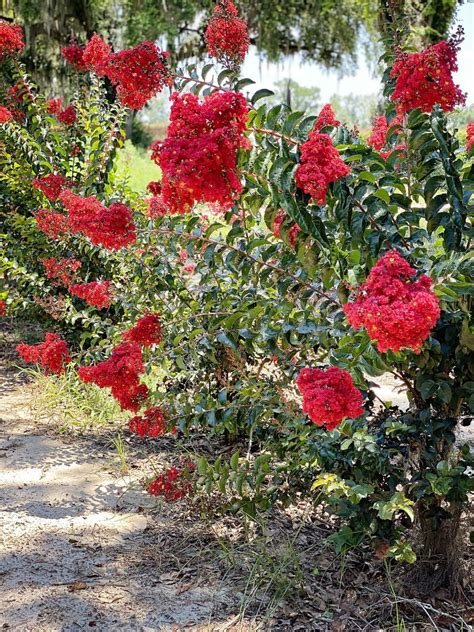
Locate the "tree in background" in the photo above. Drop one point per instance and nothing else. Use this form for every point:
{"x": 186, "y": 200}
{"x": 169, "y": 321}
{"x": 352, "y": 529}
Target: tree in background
{"x": 356, "y": 109}
{"x": 323, "y": 31}
{"x": 50, "y": 25}
{"x": 297, "y": 97}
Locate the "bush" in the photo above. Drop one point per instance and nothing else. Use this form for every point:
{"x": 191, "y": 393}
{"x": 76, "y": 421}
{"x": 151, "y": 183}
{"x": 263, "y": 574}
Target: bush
{"x": 275, "y": 243}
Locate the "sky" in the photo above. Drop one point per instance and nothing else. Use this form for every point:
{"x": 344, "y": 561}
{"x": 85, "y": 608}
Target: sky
{"x": 363, "y": 81}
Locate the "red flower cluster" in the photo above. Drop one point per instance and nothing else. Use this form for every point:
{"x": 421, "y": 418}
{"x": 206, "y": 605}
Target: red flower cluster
{"x": 120, "y": 373}
{"x": 51, "y": 185}
{"x": 156, "y": 207}
{"x": 146, "y": 332}
{"x": 96, "y": 55}
{"x": 425, "y": 79}
{"x": 226, "y": 35}
{"x": 94, "y": 293}
{"x": 54, "y": 105}
{"x": 154, "y": 187}
{"x": 3, "y": 307}
{"x": 397, "y": 311}
{"x": 171, "y": 485}
{"x": 326, "y": 117}
{"x": 5, "y": 115}
{"x": 52, "y": 354}
{"x": 67, "y": 116}
{"x": 110, "y": 227}
{"x": 198, "y": 158}
{"x": 292, "y": 233}
{"x": 64, "y": 270}
{"x": 11, "y": 38}
{"x": 469, "y": 136}
{"x": 74, "y": 55}
{"x": 378, "y": 139}
{"x": 52, "y": 224}
{"x": 151, "y": 424}
{"x": 320, "y": 164}
{"x": 329, "y": 396}
{"x": 139, "y": 73}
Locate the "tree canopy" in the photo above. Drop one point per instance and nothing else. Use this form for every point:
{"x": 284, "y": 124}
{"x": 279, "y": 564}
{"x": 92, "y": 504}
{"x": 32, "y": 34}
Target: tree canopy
{"x": 323, "y": 31}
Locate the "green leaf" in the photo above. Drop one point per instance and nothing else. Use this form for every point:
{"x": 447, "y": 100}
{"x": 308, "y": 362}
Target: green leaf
{"x": 243, "y": 83}
{"x": 367, "y": 176}
{"x": 234, "y": 461}
{"x": 261, "y": 94}
{"x": 382, "y": 194}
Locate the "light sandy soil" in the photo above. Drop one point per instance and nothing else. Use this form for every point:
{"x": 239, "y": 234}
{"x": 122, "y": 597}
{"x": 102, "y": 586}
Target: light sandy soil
{"x": 75, "y": 538}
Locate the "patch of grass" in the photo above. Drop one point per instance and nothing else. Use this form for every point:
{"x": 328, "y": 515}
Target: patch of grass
{"x": 119, "y": 446}
{"x": 73, "y": 404}
{"x": 134, "y": 164}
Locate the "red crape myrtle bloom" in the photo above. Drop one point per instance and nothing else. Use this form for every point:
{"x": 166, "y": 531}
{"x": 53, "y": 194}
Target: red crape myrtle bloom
{"x": 110, "y": 227}
{"x": 146, "y": 332}
{"x": 320, "y": 165}
{"x": 226, "y": 35}
{"x": 397, "y": 311}
{"x": 11, "y": 39}
{"x": 329, "y": 396}
{"x": 74, "y": 55}
{"x": 154, "y": 187}
{"x": 52, "y": 224}
{"x": 63, "y": 270}
{"x": 151, "y": 424}
{"x": 96, "y": 55}
{"x": 3, "y": 307}
{"x": 171, "y": 485}
{"x": 157, "y": 207}
{"x": 425, "y": 79}
{"x": 469, "y": 136}
{"x": 120, "y": 373}
{"x": 378, "y": 138}
{"x": 94, "y": 293}
{"x": 326, "y": 118}
{"x": 139, "y": 73}
{"x": 5, "y": 115}
{"x": 51, "y": 186}
{"x": 54, "y": 105}
{"x": 52, "y": 354}
{"x": 198, "y": 158}
{"x": 67, "y": 116}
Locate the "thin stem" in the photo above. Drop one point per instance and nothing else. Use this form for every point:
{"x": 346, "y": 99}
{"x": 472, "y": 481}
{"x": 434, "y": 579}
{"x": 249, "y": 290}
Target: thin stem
{"x": 270, "y": 132}
{"x": 409, "y": 385}
{"x": 377, "y": 226}
{"x": 201, "y": 82}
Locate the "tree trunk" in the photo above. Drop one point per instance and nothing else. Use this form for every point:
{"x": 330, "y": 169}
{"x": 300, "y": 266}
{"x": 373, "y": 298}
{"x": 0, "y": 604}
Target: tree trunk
{"x": 439, "y": 555}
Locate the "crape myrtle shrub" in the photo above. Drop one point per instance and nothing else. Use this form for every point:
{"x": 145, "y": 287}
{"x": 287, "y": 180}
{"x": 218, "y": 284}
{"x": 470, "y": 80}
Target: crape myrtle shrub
{"x": 280, "y": 265}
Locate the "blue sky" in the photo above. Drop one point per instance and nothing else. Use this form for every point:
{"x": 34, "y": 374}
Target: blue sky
{"x": 363, "y": 81}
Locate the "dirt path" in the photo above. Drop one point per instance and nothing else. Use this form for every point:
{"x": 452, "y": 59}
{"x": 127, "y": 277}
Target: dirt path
{"x": 76, "y": 539}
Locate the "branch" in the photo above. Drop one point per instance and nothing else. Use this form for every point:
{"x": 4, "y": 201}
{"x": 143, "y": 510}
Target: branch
{"x": 377, "y": 226}
{"x": 269, "y": 132}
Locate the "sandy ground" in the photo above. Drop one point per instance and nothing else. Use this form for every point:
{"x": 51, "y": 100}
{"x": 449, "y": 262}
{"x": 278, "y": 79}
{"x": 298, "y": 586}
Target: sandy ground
{"x": 72, "y": 533}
